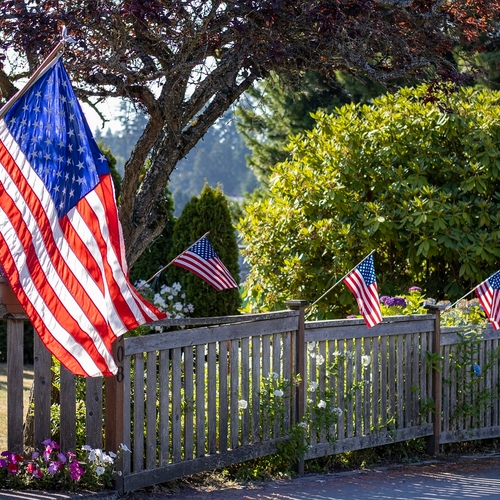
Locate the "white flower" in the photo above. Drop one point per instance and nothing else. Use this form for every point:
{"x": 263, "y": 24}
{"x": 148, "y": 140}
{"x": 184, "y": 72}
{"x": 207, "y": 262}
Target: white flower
{"x": 92, "y": 456}
{"x": 86, "y": 447}
{"x": 322, "y": 404}
{"x": 111, "y": 454}
{"x": 303, "y": 425}
{"x": 124, "y": 447}
{"x": 278, "y": 393}
{"x": 274, "y": 375}
{"x": 338, "y": 411}
{"x": 99, "y": 470}
{"x": 242, "y": 404}
{"x": 313, "y": 386}
{"x": 106, "y": 459}
{"x": 366, "y": 360}
{"x": 311, "y": 345}
{"x": 320, "y": 359}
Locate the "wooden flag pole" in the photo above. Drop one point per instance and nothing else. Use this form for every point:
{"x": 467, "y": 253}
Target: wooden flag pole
{"x": 44, "y": 66}
{"x": 165, "y": 267}
{"x": 340, "y": 280}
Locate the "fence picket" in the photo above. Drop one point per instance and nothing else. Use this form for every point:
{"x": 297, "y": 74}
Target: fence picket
{"x": 173, "y": 431}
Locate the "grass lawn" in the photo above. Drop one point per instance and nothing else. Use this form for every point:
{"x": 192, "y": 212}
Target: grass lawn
{"x": 28, "y": 380}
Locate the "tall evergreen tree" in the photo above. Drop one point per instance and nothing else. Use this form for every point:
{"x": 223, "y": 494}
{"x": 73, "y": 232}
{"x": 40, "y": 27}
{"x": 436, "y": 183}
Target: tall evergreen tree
{"x": 157, "y": 255}
{"x": 207, "y": 212}
{"x": 276, "y": 110}
{"x": 218, "y": 159}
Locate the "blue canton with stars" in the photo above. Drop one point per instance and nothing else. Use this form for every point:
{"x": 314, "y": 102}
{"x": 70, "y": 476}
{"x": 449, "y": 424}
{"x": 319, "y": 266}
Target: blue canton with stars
{"x": 204, "y": 249}
{"x": 50, "y": 128}
{"x": 367, "y": 270}
{"x": 494, "y": 281}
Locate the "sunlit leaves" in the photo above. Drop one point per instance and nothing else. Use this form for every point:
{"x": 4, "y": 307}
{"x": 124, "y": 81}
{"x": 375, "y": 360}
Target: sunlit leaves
{"x": 402, "y": 177}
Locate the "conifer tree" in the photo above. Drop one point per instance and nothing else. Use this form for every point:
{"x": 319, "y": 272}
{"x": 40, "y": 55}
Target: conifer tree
{"x": 208, "y": 212}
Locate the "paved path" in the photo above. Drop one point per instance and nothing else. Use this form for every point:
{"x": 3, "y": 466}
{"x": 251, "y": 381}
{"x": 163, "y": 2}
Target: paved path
{"x": 468, "y": 478}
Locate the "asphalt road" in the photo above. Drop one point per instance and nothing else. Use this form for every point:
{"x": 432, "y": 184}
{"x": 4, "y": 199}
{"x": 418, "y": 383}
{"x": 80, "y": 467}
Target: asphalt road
{"x": 476, "y": 477}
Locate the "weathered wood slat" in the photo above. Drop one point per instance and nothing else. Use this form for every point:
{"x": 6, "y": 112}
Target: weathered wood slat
{"x": 67, "y": 408}
{"x": 234, "y": 394}
{"x": 200, "y": 400}
{"x": 164, "y": 430}
{"x": 42, "y": 388}
{"x": 335, "y": 329}
{"x": 15, "y": 333}
{"x": 349, "y": 389}
{"x": 169, "y": 340}
{"x": 256, "y": 378}
{"x": 212, "y": 398}
{"x": 368, "y": 441}
{"x": 151, "y": 398}
{"x": 176, "y": 405}
{"x": 139, "y": 399}
{"x": 188, "y": 403}
{"x": 223, "y": 396}
{"x": 127, "y": 418}
{"x": 245, "y": 390}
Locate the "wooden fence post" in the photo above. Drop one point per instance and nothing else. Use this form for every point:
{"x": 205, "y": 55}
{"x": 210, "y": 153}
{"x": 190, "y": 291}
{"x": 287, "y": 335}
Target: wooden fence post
{"x": 114, "y": 414}
{"x": 433, "y": 441}
{"x": 15, "y": 333}
{"x": 300, "y": 367}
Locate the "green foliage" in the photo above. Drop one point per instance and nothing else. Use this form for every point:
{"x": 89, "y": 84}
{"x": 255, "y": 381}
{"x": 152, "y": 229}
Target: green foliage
{"x": 156, "y": 256}
{"x": 415, "y": 176}
{"x": 218, "y": 159}
{"x": 208, "y": 212}
{"x": 277, "y": 110}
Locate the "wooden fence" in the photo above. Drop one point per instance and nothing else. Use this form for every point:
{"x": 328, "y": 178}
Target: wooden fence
{"x": 232, "y": 389}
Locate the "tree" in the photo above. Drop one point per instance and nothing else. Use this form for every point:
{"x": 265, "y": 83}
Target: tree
{"x": 272, "y": 112}
{"x": 157, "y": 255}
{"x": 184, "y": 62}
{"x": 415, "y": 176}
{"x": 207, "y": 212}
{"x": 218, "y": 159}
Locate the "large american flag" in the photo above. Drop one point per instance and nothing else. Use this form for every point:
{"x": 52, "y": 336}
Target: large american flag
{"x": 488, "y": 293}
{"x": 61, "y": 244}
{"x": 362, "y": 283}
{"x": 202, "y": 260}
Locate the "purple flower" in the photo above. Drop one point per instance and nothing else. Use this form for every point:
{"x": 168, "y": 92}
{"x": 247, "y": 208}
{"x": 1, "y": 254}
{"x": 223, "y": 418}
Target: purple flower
{"x": 414, "y": 289}
{"x": 62, "y": 457}
{"x": 76, "y": 471}
{"x": 49, "y": 443}
{"x": 3, "y": 463}
{"x": 384, "y": 298}
{"x": 351, "y": 316}
{"x": 400, "y": 302}
{"x": 35, "y": 455}
{"x": 54, "y": 467}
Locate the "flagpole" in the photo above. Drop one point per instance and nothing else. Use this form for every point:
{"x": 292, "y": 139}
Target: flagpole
{"x": 165, "y": 267}
{"x": 340, "y": 280}
{"x": 461, "y": 298}
{"x": 41, "y": 69}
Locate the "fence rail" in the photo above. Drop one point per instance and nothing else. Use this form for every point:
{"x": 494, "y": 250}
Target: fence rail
{"x": 233, "y": 389}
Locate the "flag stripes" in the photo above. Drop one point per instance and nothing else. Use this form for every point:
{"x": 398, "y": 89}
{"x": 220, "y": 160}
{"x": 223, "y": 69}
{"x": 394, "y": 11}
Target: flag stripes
{"x": 66, "y": 267}
{"x": 202, "y": 260}
{"x": 361, "y": 282}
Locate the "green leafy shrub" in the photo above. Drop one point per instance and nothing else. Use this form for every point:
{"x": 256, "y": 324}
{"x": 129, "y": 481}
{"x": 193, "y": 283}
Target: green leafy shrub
{"x": 415, "y": 175}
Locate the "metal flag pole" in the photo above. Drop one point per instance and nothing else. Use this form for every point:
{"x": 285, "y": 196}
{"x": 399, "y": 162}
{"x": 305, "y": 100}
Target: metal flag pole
{"x": 165, "y": 267}
{"x": 341, "y": 279}
{"x": 461, "y": 298}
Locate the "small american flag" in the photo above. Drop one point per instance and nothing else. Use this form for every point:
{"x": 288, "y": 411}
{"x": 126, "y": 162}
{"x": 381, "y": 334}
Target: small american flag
{"x": 361, "y": 281}
{"x": 488, "y": 293}
{"x": 202, "y": 260}
{"x": 61, "y": 243}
